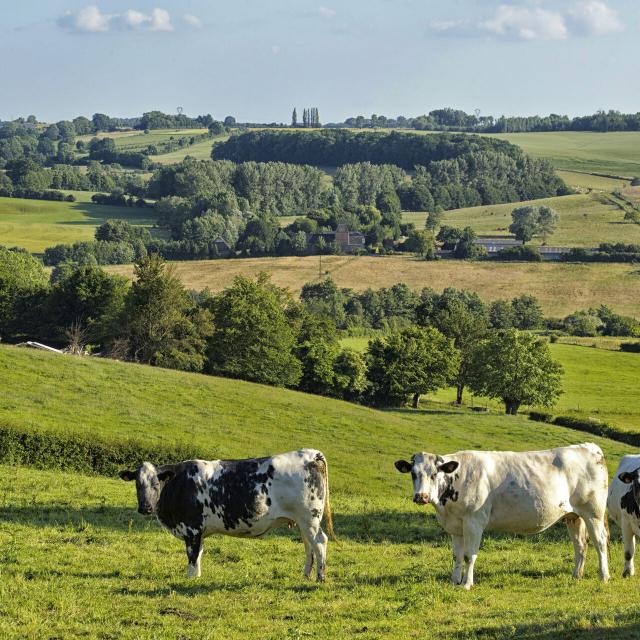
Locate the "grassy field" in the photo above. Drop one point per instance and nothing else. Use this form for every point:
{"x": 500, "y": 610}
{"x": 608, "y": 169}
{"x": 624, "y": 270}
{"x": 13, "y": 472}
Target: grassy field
{"x": 614, "y": 153}
{"x": 561, "y": 288}
{"x": 38, "y": 224}
{"x": 587, "y": 181}
{"x": 77, "y": 560}
{"x": 598, "y": 383}
{"x": 586, "y": 220}
{"x": 138, "y": 140}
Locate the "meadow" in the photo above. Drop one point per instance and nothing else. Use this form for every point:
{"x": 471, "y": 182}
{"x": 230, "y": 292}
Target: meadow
{"x": 586, "y": 220}
{"x": 598, "y": 383}
{"x": 38, "y": 224}
{"x": 77, "y": 560}
{"x": 613, "y": 153}
{"x": 139, "y": 140}
{"x": 560, "y": 287}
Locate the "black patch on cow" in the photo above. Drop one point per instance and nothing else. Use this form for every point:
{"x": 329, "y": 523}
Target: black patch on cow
{"x": 627, "y": 556}
{"x": 314, "y": 478}
{"x": 629, "y": 504}
{"x": 448, "y": 492}
{"x": 234, "y": 495}
{"x": 268, "y": 502}
{"x": 178, "y": 503}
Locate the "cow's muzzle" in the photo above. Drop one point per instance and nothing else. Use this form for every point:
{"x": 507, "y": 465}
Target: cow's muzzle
{"x": 145, "y": 511}
{"x": 421, "y": 498}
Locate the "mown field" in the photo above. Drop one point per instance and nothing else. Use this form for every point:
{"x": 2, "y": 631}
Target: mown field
{"x": 586, "y": 220}
{"x": 613, "y": 153}
{"x": 77, "y": 560}
{"x": 38, "y": 224}
{"x": 139, "y": 140}
{"x": 598, "y": 383}
{"x": 561, "y": 288}
{"x": 199, "y": 151}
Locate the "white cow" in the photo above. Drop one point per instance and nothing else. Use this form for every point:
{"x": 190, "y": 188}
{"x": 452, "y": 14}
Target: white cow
{"x": 478, "y": 491}
{"x": 624, "y": 494}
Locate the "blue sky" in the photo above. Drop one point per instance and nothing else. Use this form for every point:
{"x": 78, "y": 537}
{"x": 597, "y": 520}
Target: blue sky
{"x": 256, "y": 60}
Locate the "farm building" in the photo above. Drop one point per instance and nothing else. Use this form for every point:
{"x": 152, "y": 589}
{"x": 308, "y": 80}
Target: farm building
{"x": 349, "y": 241}
{"x": 222, "y": 247}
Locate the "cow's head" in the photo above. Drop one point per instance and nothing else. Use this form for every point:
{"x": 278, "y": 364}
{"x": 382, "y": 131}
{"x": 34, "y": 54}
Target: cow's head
{"x": 430, "y": 475}
{"x": 149, "y": 481}
{"x": 632, "y": 478}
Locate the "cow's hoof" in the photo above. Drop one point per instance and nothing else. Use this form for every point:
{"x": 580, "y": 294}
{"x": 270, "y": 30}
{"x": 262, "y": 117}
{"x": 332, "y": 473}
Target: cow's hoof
{"x": 321, "y": 579}
{"x": 605, "y": 578}
{"x": 467, "y": 587}
{"x": 627, "y": 574}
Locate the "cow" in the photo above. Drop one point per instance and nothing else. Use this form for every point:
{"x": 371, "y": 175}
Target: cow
{"x": 244, "y": 498}
{"x": 623, "y": 501}
{"x": 477, "y": 491}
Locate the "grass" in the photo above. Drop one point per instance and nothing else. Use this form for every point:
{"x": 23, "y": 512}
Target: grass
{"x": 38, "y": 224}
{"x": 598, "y": 383}
{"x": 561, "y": 288}
{"x": 587, "y": 181}
{"x": 614, "y": 153}
{"x": 586, "y": 220}
{"x": 77, "y": 560}
{"x": 138, "y": 140}
{"x": 199, "y": 151}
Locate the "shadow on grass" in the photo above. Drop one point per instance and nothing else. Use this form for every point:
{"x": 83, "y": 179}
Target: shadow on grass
{"x": 627, "y": 626}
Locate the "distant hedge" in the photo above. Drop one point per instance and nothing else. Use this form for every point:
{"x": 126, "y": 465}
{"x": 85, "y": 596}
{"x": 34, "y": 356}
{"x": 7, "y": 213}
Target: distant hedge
{"x": 82, "y": 453}
{"x": 597, "y": 428}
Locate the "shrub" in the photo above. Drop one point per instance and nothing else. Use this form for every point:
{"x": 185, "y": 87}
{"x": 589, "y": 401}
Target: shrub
{"x": 522, "y": 253}
{"x": 82, "y": 453}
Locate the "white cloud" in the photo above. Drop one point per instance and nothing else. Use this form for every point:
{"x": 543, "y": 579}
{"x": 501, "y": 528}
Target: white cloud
{"x": 594, "y": 18}
{"x": 88, "y": 19}
{"x": 326, "y": 12}
{"x": 526, "y": 24}
{"x": 91, "y": 20}
{"x": 529, "y": 22}
{"x": 192, "y": 21}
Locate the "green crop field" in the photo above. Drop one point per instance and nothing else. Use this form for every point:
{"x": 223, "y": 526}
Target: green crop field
{"x": 138, "y": 140}
{"x": 199, "y": 151}
{"x": 38, "y": 224}
{"x": 614, "y": 153}
{"x": 586, "y": 220}
{"x": 598, "y": 383}
{"x": 77, "y": 560}
{"x": 561, "y": 288}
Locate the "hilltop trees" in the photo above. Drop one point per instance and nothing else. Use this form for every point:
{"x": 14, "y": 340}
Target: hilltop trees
{"x": 517, "y": 368}
{"x": 533, "y": 221}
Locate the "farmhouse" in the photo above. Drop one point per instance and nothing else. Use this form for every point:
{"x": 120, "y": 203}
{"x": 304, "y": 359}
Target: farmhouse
{"x": 493, "y": 245}
{"x": 348, "y": 241}
{"x": 222, "y": 247}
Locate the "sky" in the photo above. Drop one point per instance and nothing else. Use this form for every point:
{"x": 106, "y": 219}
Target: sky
{"x": 257, "y": 59}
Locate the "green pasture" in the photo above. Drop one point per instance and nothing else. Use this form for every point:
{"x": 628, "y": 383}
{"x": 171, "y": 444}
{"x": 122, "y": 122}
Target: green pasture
{"x": 138, "y": 140}
{"x": 614, "y": 153}
{"x": 582, "y": 182}
{"x": 199, "y": 151}
{"x": 38, "y": 224}
{"x": 598, "y": 383}
{"x": 78, "y": 561}
{"x": 586, "y": 220}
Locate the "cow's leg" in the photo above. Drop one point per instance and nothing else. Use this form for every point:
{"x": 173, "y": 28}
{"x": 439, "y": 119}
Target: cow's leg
{"x": 194, "y": 553}
{"x": 578, "y": 534}
{"x": 598, "y": 533}
{"x": 629, "y": 541}
{"x": 472, "y": 532}
{"x": 457, "y": 544}
{"x": 318, "y": 542}
{"x": 308, "y": 565}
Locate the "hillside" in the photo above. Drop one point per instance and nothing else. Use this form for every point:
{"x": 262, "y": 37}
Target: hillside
{"x": 586, "y": 220}
{"x": 80, "y": 560}
{"x": 561, "y": 288}
{"x": 38, "y": 224}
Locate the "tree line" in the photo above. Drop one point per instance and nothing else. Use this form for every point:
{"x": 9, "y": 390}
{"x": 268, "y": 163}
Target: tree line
{"x": 458, "y": 120}
{"x": 256, "y": 331}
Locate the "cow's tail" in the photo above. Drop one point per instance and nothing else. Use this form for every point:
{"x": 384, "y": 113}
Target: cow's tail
{"x": 328, "y": 516}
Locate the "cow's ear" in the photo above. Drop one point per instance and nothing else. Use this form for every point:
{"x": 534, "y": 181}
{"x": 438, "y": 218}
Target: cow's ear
{"x": 127, "y": 475}
{"x": 449, "y": 467}
{"x": 403, "y": 466}
{"x": 627, "y": 477}
{"x": 166, "y": 474}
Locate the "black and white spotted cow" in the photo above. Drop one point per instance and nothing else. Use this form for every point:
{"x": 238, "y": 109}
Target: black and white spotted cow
{"x": 245, "y": 498}
{"x": 478, "y": 491}
{"x": 624, "y": 498}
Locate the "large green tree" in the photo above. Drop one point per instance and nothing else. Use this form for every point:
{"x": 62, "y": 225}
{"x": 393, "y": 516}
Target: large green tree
{"x": 409, "y": 363}
{"x": 160, "y": 323}
{"x": 531, "y": 221}
{"x": 253, "y": 336}
{"x": 22, "y": 277}
{"x": 517, "y": 368}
